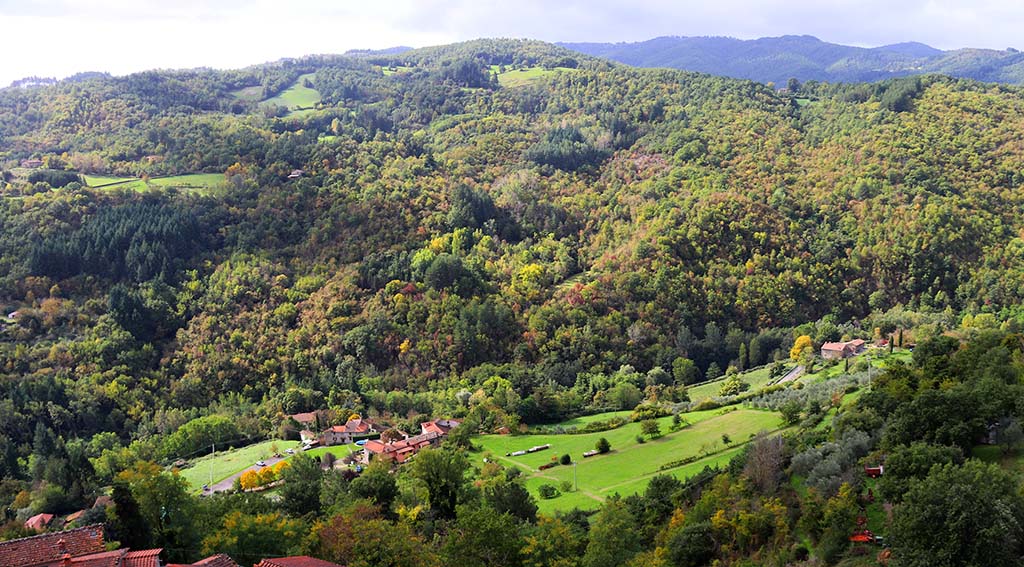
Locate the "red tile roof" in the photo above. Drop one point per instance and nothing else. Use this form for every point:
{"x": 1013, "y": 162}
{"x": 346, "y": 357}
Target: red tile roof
{"x": 39, "y": 522}
{"x": 219, "y": 560}
{"x": 46, "y": 548}
{"x": 300, "y": 561}
{"x": 308, "y": 417}
{"x": 142, "y": 558}
{"x": 116, "y": 558}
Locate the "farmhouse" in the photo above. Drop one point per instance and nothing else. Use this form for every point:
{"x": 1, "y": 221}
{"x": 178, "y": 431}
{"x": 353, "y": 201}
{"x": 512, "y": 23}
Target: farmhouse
{"x": 39, "y": 522}
{"x": 219, "y": 560}
{"x": 299, "y": 561}
{"x": 433, "y": 432}
{"x": 307, "y": 420}
{"x": 834, "y": 351}
{"x": 353, "y": 429}
{"x": 81, "y": 546}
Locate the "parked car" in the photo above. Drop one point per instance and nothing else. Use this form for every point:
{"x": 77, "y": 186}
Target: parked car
{"x": 290, "y": 451}
{"x": 261, "y": 464}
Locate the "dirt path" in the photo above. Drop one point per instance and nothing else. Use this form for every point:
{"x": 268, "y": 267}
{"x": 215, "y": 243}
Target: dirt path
{"x": 793, "y": 374}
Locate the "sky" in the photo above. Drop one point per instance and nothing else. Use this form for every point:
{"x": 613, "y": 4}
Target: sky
{"x": 61, "y": 37}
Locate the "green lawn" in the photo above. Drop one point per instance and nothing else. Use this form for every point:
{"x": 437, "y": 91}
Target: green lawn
{"x": 520, "y": 77}
{"x": 757, "y": 378}
{"x": 226, "y": 463}
{"x": 298, "y": 98}
{"x": 630, "y": 465}
{"x": 195, "y": 181}
{"x": 338, "y": 450}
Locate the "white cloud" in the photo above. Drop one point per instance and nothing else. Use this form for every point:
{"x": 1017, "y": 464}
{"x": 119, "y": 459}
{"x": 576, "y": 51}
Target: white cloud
{"x": 61, "y": 37}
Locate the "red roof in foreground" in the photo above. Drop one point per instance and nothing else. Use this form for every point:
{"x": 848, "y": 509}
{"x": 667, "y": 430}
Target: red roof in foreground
{"x": 44, "y": 549}
{"x": 300, "y": 561}
{"x": 219, "y": 560}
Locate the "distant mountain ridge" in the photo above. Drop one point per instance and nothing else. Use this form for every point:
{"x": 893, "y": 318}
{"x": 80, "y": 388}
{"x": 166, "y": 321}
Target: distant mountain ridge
{"x": 805, "y": 57}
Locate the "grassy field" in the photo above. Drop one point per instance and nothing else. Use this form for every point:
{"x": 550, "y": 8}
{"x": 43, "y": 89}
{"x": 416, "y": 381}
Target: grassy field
{"x": 395, "y": 70}
{"x": 226, "y": 463}
{"x": 195, "y": 181}
{"x": 520, "y": 77}
{"x": 298, "y": 98}
{"x": 1014, "y": 462}
{"x": 251, "y": 94}
{"x": 630, "y": 465}
{"x": 757, "y": 378}
{"x": 584, "y": 420}
{"x": 878, "y": 358}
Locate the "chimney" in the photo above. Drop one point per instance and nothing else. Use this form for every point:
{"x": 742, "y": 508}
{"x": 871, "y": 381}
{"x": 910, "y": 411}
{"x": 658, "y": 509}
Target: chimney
{"x": 65, "y": 557}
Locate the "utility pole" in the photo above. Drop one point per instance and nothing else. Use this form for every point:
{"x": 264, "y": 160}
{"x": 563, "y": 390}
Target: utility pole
{"x": 213, "y": 455}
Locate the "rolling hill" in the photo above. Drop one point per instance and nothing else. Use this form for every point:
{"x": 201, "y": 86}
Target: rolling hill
{"x": 777, "y": 59}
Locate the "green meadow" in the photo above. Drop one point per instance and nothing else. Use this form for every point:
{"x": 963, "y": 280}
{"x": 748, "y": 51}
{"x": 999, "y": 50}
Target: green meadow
{"x": 630, "y": 464}
{"x": 298, "y": 98}
{"x": 757, "y": 378}
{"x": 194, "y": 181}
{"x": 520, "y": 77}
{"x": 223, "y": 464}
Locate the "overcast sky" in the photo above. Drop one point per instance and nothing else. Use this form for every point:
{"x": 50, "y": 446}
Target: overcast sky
{"x": 62, "y": 37}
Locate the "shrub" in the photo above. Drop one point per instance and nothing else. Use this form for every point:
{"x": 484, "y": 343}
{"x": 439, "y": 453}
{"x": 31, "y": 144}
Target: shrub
{"x": 603, "y": 446}
{"x": 566, "y": 459}
{"x": 547, "y": 491}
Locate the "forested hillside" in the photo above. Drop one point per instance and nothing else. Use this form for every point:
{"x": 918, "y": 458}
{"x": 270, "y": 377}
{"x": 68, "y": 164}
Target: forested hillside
{"x": 428, "y": 240}
{"x": 807, "y": 58}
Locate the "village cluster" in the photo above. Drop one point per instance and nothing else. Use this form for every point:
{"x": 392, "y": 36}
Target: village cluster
{"x": 376, "y": 439}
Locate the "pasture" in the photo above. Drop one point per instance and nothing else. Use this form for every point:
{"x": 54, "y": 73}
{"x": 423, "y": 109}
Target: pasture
{"x": 298, "y": 98}
{"x": 223, "y": 464}
{"x": 757, "y": 378}
{"x": 630, "y": 464}
{"x": 201, "y": 182}
{"x": 519, "y": 77}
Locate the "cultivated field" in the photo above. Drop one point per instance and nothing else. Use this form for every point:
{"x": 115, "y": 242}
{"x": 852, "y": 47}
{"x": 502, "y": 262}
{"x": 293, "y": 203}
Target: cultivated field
{"x": 629, "y": 466}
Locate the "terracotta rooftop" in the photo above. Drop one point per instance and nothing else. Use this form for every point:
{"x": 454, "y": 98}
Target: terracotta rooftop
{"x": 44, "y": 549}
{"x": 219, "y": 560}
{"x": 299, "y": 561}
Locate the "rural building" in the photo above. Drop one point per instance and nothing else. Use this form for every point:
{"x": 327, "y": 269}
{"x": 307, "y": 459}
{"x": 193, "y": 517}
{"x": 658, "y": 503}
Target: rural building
{"x": 299, "y": 561}
{"x": 219, "y": 560}
{"x": 353, "y": 429}
{"x": 31, "y": 163}
{"x": 308, "y": 436}
{"x": 81, "y": 546}
{"x": 432, "y": 433}
{"x": 296, "y": 173}
{"x": 834, "y": 351}
{"x": 308, "y": 420}
{"x": 440, "y": 426}
{"x": 39, "y": 522}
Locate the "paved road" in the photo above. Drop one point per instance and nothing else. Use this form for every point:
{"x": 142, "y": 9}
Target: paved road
{"x": 793, "y": 374}
{"x": 229, "y": 482}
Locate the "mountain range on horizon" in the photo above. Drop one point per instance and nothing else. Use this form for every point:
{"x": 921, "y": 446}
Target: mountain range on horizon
{"x": 766, "y": 60}
{"x": 805, "y": 57}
